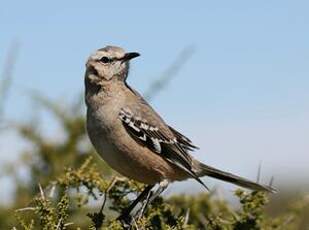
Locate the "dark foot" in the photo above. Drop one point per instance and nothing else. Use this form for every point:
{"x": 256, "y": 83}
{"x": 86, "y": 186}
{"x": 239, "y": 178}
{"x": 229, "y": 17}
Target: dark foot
{"x": 125, "y": 217}
{"x": 97, "y": 219}
{"x": 126, "y": 221}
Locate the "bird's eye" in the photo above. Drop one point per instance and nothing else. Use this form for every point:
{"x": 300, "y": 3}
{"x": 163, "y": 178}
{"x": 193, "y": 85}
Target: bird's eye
{"x": 105, "y": 60}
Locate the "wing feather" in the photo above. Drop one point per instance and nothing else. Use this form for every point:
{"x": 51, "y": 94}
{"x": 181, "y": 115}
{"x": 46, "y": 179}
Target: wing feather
{"x": 166, "y": 141}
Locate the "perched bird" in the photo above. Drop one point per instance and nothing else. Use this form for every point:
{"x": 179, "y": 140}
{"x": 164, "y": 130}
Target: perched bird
{"x": 131, "y": 137}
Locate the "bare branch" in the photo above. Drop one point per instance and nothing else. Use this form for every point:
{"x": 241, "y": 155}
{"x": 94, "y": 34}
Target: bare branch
{"x": 41, "y": 192}
{"x": 186, "y": 220}
{"x": 258, "y": 177}
{"x": 271, "y": 182}
{"x": 169, "y": 73}
{"x": 7, "y": 75}
{"x": 25, "y": 209}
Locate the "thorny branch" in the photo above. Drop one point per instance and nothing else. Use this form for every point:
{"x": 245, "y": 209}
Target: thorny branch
{"x": 7, "y": 75}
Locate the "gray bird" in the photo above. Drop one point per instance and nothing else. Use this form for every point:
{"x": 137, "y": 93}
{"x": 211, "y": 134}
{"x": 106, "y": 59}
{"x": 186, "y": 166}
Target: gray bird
{"x": 131, "y": 137}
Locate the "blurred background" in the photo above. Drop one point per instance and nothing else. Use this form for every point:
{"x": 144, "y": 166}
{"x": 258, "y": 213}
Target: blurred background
{"x": 231, "y": 75}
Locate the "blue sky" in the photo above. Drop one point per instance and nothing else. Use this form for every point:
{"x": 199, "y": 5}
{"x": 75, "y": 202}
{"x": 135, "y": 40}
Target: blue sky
{"x": 243, "y": 97}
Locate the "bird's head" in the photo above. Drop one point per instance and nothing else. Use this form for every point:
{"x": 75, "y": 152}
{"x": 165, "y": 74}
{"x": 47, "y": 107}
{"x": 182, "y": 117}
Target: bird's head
{"x": 108, "y": 63}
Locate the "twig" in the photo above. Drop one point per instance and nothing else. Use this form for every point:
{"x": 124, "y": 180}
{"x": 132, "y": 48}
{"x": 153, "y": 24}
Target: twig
{"x": 52, "y": 190}
{"x": 68, "y": 224}
{"x": 7, "y": 75}
{"x": 259, "y": 173}
{"x": 159, "y": 84}
{"x": 59, "y": 224}
{"x": 215, "y": 191}
{"x": 25, "y": 209}
{"x": 41, "y": 192}
{"x": 136, "y": 226}
{"x": 271, "y": 181}
{"x": 110, "y": 186}
{"x": 202, "y": 219}
{"x": 98, "y": 217}
{"x": 288, "y": 220}
{"x": 186, "y": 220}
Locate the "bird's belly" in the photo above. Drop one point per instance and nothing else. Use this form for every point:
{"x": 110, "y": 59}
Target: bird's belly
{"x": 131, "y": 160}
{"x": 127, "y": 164}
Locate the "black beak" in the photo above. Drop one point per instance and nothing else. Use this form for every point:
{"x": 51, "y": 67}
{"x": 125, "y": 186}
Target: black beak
{"x": 129, "y": 56}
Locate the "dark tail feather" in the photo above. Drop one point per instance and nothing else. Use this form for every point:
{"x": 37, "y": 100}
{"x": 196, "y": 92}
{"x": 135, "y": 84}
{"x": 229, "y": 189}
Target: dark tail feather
{"x": 205, "y": 170}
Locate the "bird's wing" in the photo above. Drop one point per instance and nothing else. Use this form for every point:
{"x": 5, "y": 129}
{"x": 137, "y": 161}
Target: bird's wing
{"x": 183, "y": 141}
{"x": 148, "y": 129}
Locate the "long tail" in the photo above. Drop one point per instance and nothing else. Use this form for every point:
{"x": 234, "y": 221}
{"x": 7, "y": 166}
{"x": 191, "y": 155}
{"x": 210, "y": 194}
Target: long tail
{"x": 205, "y": 170}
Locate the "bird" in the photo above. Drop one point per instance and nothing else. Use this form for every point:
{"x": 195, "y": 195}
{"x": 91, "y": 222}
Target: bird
{"x": 132, "y": 137}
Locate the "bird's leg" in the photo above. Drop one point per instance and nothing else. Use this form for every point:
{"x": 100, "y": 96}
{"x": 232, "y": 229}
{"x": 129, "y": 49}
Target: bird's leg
{"x": 151, "y": 196}
{"x": 125, "y": 214}
{"x": 141, "y": 212}
{"x": 162, "y": 186}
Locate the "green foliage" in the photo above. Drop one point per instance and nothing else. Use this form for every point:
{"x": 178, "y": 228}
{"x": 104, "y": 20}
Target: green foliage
{"x": 203, "y": 211}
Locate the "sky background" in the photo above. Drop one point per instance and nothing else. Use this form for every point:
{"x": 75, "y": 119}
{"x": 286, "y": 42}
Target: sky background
{"x": 243, "y": 96}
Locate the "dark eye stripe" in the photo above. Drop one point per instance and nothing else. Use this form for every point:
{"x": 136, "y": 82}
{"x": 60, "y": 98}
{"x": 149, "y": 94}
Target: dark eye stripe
{"x": 105, "y": 60}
